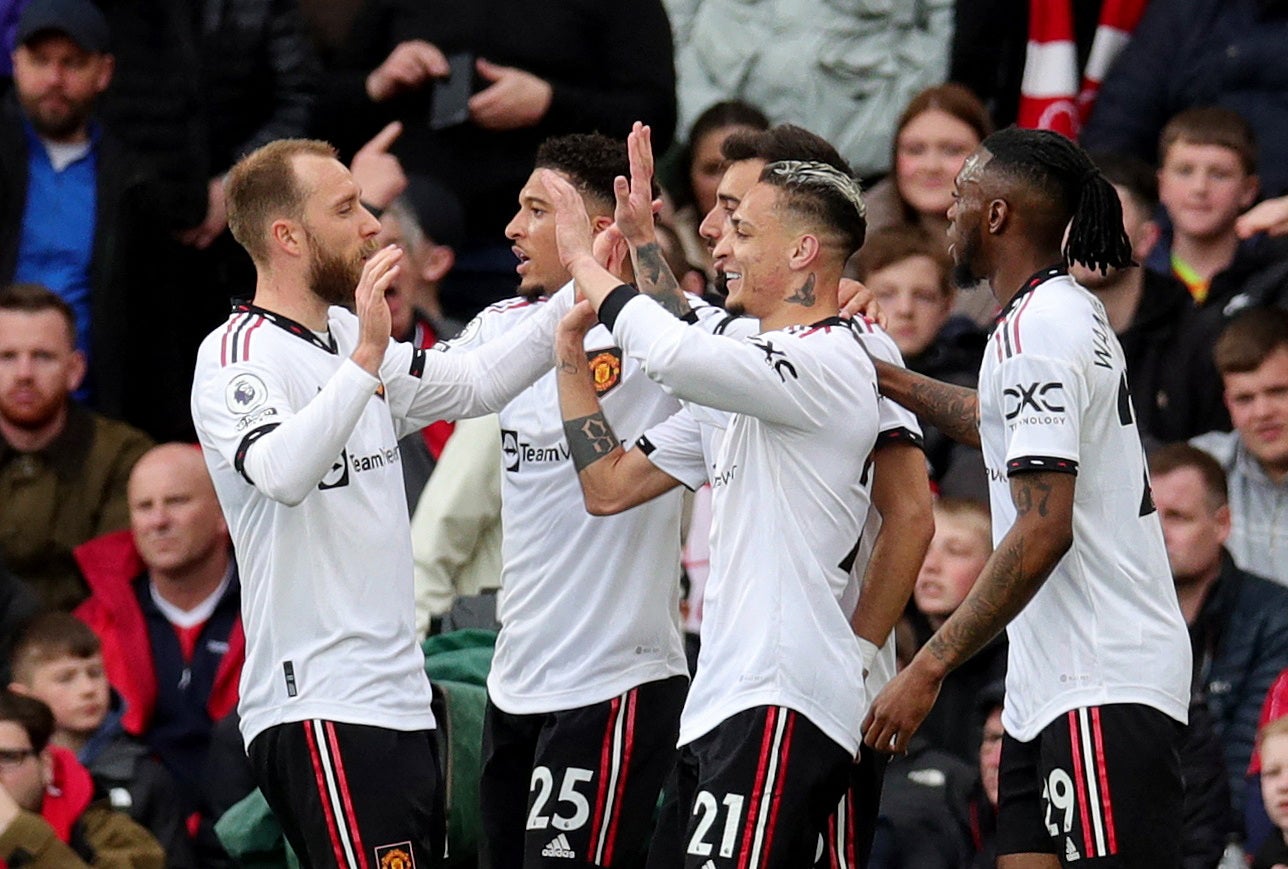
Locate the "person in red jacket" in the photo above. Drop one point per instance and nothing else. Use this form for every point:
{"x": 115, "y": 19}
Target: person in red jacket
{"x": 165, "y": 600}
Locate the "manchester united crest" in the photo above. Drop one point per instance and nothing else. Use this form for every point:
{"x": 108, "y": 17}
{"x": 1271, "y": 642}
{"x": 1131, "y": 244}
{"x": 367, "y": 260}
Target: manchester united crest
{"x": 396, "y": 856}
{"x": 605, "y": 368}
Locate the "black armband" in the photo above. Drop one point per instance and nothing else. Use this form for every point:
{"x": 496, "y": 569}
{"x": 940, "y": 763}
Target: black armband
{"x": 614, "y": 302}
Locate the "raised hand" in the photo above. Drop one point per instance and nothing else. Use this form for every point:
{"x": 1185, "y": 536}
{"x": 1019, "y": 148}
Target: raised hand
{"x": 408, "y": 67}
{"x": 514, "y": 99}
{"x": 610, "y": 249}
{"x": 369, "y": 304}
{"x": 378, "y": 173}
{"x": 856, "y": 298}
{"x": 635, "y": 204}
{"x": 1269, "y": 217}
{"x": 572, "y": 224}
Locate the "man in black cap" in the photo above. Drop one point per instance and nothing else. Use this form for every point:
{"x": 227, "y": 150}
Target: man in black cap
{"x": 76, "y": 209}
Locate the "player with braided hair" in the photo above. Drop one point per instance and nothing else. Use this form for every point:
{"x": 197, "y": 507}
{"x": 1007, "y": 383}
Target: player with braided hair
{"x": 1099, "y": 663}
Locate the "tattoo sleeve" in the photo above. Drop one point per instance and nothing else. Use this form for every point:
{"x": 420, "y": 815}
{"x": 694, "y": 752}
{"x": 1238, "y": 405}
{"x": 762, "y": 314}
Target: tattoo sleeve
{"x": 590, "y": 438}
{"x": 1042, "y": 533}
{"x": 954, "y": 410}
{"x": 656, "y": 280}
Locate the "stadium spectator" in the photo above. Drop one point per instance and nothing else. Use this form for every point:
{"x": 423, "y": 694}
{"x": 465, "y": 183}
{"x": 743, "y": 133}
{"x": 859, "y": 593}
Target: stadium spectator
{"x": 59, "y": 661}
{"x": 48, "y": 815}
{"x": 1174, "y": 385}
{"x": 527, "y": 77}
{"x": 63, "y": 469}
{"x": 1251, "y": 355}
{"x": 1238, "y": 622}
{"x": 79, "y": 208}
{"x": 165, "y": 600}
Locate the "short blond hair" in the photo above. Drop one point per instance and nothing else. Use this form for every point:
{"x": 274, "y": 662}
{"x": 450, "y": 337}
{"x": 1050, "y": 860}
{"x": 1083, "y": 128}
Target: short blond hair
{"x": 970, "y": 512}
{"x": 263, "y": 186}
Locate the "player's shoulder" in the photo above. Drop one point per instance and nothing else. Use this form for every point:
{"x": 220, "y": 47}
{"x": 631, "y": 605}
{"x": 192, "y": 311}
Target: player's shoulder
{"x": 1056, "y": 317}
{"x": 877, "y": 340}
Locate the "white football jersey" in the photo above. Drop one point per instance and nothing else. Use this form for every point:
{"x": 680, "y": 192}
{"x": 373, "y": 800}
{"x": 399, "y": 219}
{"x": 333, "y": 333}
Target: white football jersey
{"x": 301, "y": 444}
{"x": 789, "y": 419}
{"x": 1105, "y": 627}
{"x": 685, "y": 446}
{"x": 589, "y": 605}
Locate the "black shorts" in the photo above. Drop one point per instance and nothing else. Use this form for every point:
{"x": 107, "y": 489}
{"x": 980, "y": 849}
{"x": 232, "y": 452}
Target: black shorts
{"x": 1099, "y": 786}
{"x": 754, "y": 793}
{"x": 846, "y": 841}
{"x": 353, "y": 796}
{"x": 580, "y": 786}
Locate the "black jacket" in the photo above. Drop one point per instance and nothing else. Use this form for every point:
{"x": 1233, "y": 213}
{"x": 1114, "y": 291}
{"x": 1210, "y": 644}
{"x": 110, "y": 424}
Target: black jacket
{"x": 1240, "y": 644}
{"x": 127, "y": 320}
{"x": 609, "y": 64}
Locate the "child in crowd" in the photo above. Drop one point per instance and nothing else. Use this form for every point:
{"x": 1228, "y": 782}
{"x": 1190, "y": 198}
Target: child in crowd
{"x": 1272, "y": 744}
{"x": 58, "y": 660}
{"x": 1207, "y": 177}
{"x": 962, "y": 544}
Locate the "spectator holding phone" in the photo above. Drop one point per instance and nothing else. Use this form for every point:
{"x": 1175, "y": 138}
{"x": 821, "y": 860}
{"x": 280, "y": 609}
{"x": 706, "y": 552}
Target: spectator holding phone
{"x": 479, "y": 84}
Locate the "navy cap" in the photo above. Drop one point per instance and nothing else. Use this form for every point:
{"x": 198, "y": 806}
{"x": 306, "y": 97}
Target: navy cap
{"x": 80, "y": 20}
{"x": 437, "y": 210}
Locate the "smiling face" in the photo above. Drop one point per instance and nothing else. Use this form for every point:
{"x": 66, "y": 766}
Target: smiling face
{"x": 929, "y": 152}
{"x": 755, "y": 254}
{"x": 1204, "y": 188}
{"x": 737, "y": 180}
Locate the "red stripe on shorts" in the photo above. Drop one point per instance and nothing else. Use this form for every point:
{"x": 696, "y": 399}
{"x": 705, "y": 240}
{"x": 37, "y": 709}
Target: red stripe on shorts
{"x": 354, "y": 833}
{"x": 320, "y": 775}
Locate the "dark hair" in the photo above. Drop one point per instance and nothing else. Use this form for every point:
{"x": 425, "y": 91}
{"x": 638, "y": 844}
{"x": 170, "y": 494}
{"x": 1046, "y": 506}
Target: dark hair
{"x": 35, "y": 299}
{"x": 1249, "y": 338}
{"x": 1211, "y": 125}
{"x": 29, "y": 714}
{"x": 783, "y": 142}
{"x": 1174, "y": 457}
{"x": 590, "y": 160}
{"x": 263, "y": 186}
{"x": 892, "y": 245}
{"x": 1078, "y": 196}
{"x": 726, "y": 113}
{"x": 951, "y": 98}
{"x": 50, "y": 636}
{"x": 824, "y": 195}
{"x": 1132, "y": 174}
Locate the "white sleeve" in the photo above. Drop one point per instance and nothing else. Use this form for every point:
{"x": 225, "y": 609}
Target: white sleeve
{"x": 674, "y": 446}
{"x": 245, "y": 412}
{"x": 763, "y": 376}
{"x": 442, "y": 383}
{"x": 895, "y": 423}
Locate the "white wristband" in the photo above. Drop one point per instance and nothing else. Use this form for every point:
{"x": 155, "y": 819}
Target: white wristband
{"x": 868, "y": 652}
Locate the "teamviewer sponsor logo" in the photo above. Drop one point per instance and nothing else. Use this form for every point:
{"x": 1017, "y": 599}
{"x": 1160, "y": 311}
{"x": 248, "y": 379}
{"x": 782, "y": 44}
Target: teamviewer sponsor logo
{"x": 558, "y": 847}
{"x": 338, "y": 475}
{"x": 518, "y": 453}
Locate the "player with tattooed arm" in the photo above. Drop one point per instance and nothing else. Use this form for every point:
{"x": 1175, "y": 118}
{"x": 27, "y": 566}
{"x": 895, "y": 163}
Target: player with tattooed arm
{"x": 1098, "y": 677}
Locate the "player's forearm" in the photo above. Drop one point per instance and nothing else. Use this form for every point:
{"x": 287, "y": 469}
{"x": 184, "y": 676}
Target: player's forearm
{"x": 1021, "y": 563}
{"x": 901, "y": 494}
{"x": 655, "y": 279}
{"x": 592, "y": 443}
{"x": 954, "y": 410}
{"x": 593, "y": 280}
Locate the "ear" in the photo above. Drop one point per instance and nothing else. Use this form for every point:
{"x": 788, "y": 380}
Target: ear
{"x": 288, "y": 235}
{"x": 76, "y": 371}
{"x": 1148, "y": 236}
{"x": 804, "y": 252}
{"x": 1251, "y": 187}
{"x": 1222, "y": 517}
{"x": 439, "y": 259}
{"x": 999, "y": 213}
{"x": 600, "y": 222}
{"x": 19, "y": 688}
{"x": 107, "y": 66}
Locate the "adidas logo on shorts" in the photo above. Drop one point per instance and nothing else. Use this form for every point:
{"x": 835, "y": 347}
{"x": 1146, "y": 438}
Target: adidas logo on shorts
{"x": 558, "y": 847}
{"x": 1070, "y": 851}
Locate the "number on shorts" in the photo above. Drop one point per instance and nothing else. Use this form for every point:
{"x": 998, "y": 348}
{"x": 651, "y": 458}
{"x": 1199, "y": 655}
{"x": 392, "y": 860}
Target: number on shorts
{"x": 543, "y": 783}
{"x": 708, "y": 810}
{"x": 1057, "y": 791}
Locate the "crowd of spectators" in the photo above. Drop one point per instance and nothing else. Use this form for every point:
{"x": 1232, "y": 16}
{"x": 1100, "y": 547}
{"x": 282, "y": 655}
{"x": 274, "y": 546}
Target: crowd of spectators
{"x": 119, "y": 120}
